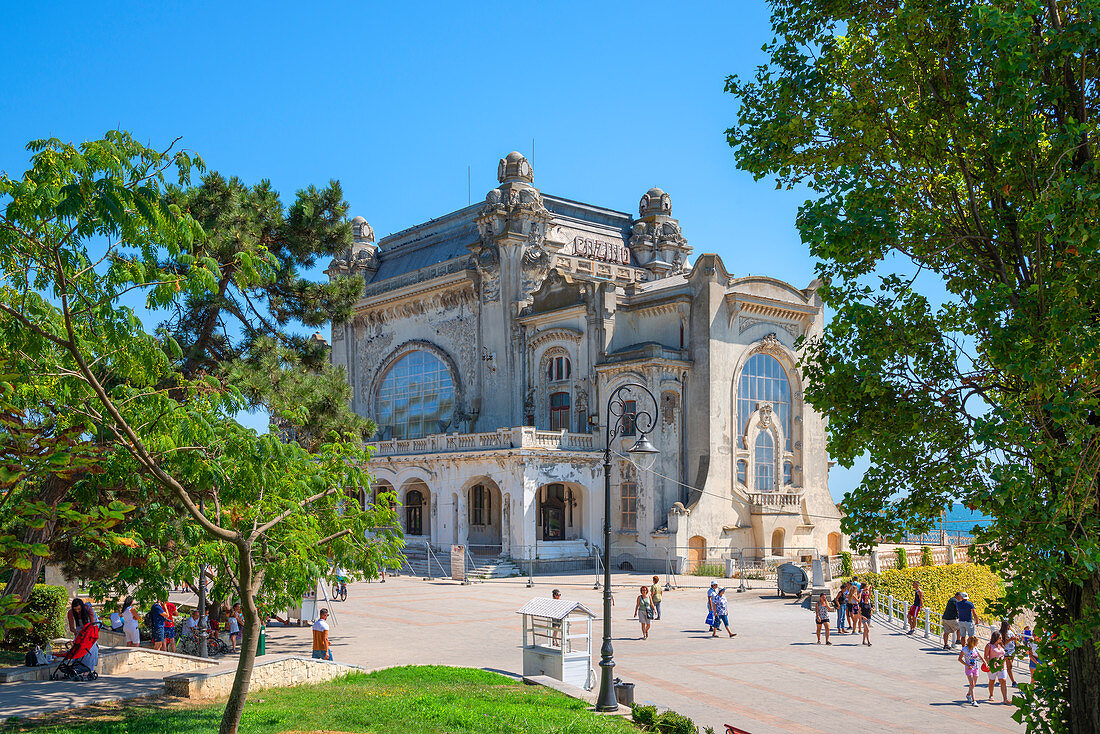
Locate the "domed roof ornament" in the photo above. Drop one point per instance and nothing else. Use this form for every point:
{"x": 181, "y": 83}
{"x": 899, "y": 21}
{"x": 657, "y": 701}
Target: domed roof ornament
{"x": 361, "y": 231}
{"x": 514, "y": 167}
{"x": 655, "y": 201}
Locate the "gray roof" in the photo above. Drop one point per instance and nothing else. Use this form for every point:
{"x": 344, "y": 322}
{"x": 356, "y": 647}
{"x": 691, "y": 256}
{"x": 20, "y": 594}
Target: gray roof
{"x": 553, "y": 608}
{"x": 436, "y": 241}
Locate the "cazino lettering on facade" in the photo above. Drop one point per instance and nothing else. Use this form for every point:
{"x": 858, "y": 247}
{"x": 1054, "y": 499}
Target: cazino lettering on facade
{"x": 593, "y": 249}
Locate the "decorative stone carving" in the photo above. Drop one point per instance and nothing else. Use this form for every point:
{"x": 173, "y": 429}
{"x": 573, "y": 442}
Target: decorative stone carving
{"x": 460, "y": 333}
{"x": 766, "y": 414}
{"x": 744, "y": 323}
{"x": 670, "y": 401}
{"x": 771, "y": 345}
{"x": 656, "y": 241}
{"x": 361, "y": 230}
{"x": 371, "y": 351}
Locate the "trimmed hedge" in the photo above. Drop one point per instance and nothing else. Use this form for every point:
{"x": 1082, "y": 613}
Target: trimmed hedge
{"x": 939, "y": 583}
{"x": 46, "y": 611}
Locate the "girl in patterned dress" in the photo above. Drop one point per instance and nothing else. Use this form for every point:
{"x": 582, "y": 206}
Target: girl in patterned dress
{"x": 971, "y": 660}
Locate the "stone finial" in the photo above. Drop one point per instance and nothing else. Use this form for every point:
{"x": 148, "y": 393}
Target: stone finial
{"x": 655, "y": 201}
{"x": 514, "y": 167}
{"x": 361, "y": 231}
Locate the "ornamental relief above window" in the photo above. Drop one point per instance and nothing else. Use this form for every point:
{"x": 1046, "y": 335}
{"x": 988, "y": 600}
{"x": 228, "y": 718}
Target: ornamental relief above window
{"x": 766, "y": 449}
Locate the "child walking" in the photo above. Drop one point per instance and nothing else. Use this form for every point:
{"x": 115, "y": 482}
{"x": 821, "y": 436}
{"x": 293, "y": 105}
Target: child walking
{"x": 971, "y": 659}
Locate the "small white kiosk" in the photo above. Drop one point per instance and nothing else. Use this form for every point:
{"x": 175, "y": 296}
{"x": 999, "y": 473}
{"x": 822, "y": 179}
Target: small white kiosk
{"x": 557, "y": 640}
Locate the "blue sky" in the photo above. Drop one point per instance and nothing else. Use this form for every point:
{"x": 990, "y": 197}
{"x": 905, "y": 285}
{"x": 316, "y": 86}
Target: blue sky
{"x": 398, "y": 100}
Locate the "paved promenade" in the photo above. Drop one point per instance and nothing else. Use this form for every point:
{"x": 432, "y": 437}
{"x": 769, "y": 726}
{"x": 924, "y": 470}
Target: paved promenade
{"x": 772, "y": 677}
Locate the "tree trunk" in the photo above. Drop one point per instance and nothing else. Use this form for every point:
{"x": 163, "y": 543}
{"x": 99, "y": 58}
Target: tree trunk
{"x": 234, "y": 708}
{"x": 1084, "y": 668}
{"x": 22, "y": 583}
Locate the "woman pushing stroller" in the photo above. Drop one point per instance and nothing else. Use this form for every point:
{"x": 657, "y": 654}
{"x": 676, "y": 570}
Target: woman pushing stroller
{"x": 80, "y": 660}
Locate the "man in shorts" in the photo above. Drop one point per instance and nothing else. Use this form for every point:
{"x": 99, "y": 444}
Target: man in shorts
{"x": 156, "y": 622}
{"x": 950, "y": 620}
{"x": 322, "y": 650}
{"x": 968, "y": 616}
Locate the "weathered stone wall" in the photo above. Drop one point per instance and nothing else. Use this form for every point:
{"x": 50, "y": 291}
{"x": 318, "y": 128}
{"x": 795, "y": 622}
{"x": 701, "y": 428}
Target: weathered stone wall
{"x": 279, "y": 672}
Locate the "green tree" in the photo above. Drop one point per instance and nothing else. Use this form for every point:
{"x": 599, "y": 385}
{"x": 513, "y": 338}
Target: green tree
{"x": 949, "y": 149}
{"x": 278, "y": 510}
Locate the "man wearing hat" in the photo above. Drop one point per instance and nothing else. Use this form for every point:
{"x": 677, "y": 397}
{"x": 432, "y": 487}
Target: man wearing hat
{"x": 968, "y": 615}
{"x": 711, "y": 612}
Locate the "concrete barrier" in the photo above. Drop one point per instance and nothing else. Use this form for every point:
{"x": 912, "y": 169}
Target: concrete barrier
{"x": 117, "y": 661}
{"x": 271, "y": 673}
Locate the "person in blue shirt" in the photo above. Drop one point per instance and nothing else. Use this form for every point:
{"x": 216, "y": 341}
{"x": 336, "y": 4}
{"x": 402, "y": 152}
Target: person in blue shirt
{"x": 968, "y": 615}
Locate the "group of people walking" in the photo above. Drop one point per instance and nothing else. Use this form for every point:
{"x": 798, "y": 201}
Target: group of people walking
{"x": 853, "y": 607}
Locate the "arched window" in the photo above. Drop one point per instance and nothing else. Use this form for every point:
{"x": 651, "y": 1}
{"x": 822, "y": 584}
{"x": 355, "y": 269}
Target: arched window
{"x": 764, "y": 381}
{"x": 777, "y": 542}
{"x": 559, "y": 369}
{"x": 765, "y": 462}
{"x": 628, "y": 517}
{"x": 414, "y": 512}
{"x": 416, "y": 395}
{"x": 559, "y": 411}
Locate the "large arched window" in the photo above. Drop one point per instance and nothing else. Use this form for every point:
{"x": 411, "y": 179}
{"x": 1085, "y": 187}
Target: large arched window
{"x": 764, "y": 381}
{"x": 415, "y": 395}
{"x": 765, "y": 462}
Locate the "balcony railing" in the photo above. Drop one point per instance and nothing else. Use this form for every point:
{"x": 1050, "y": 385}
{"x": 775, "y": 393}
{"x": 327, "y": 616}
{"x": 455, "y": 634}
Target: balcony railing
{"x": 779, "y": 501}
{"x": 522, "y": 437}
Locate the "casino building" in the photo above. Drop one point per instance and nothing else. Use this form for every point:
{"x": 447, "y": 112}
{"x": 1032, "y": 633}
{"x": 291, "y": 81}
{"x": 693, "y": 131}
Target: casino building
{"x": 487, "y": 342}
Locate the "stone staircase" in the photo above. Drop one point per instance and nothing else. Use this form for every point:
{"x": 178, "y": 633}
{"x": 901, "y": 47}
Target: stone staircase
{"x": 479, "y": 567}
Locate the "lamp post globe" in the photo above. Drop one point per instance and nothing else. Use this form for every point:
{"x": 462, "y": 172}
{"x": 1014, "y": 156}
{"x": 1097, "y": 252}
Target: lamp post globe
{"x": 643, "y": 453}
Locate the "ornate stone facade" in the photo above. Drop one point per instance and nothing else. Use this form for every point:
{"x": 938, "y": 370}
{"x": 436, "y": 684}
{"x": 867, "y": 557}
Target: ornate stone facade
{"x": 527, "y": 311}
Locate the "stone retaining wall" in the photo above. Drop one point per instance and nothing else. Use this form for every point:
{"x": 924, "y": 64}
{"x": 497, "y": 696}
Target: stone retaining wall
{"x": 274, "y": 673}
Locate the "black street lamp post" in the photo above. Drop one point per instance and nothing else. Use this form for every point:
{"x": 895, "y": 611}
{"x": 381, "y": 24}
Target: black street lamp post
{"x": 618, "y": 419}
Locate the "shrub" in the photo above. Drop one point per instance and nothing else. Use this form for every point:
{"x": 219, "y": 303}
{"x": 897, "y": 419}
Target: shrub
{"x": 670, "y": 722}
{"x": 926, "y": 556}
{"x": 902, "y": 556}
{"x": 939, "y": 583}
{"x": 46, "y": 612}
{"x": 846, "y": 569}
{"x": 710, "y": 569}
{"x": 644, "y": 716}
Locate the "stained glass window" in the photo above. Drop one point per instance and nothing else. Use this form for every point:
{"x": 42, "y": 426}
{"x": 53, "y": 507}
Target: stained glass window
{"x": 416, "y": 394}
{"x": 764, "y": 381}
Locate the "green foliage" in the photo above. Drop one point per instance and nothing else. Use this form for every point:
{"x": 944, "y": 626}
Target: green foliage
{"x": 644, "y": 716}
{"x": 710, "y": 569}
{"x": 926, "y": 558}
{"x": 939, "y": 583}
{"x": 902, "y": 557}
{"x": 273, "y": 516}
{"x": 670, "y": 722}
{"x": 45, "y": 615}
{"x": 392, "y": 701}
{"x": 846, "y": 569}
{"x": 949, "y": 150}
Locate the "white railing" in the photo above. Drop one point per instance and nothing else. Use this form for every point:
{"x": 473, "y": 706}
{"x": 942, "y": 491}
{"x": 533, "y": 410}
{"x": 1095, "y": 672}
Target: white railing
{"x": 775, "y": 499}
{"x": 502, "y": 438}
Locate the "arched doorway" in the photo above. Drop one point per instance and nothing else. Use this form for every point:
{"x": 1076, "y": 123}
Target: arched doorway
{"x": 417, "y": 509}
{"x": 777, "y": 542}
{"x": 483, "y": 501}
{"x": 697, "y": 553}
{"x": 834, "y": 544}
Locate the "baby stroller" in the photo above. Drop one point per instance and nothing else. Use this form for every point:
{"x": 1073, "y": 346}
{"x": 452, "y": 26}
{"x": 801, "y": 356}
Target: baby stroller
{"x": 79, "y": 661}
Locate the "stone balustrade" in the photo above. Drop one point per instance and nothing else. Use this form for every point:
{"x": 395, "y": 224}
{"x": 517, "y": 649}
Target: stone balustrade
{"x": 775, "y": 501}
{"x": 521, "y": 437}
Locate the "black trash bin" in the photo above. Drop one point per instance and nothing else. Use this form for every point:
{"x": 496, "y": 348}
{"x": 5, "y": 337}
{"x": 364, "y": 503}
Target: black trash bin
{"x": 624, "y": 693}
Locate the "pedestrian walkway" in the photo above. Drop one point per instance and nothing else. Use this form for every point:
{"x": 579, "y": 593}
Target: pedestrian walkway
{"x": 772, "y": 677}
{"x": 30, "y": 698}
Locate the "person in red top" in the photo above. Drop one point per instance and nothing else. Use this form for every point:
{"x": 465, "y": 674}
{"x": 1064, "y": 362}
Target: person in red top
{"x": 169, "y": 626}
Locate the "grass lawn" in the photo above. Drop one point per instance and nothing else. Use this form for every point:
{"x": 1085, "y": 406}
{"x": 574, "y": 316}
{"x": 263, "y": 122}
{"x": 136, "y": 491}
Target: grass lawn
{"x": 405, "y": 700}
